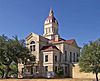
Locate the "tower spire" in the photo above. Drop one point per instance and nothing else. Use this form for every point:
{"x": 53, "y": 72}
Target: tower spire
{"x": 51, "y": 13}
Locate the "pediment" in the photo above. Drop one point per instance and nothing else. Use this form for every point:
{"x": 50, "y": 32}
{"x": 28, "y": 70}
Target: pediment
{"x": 32, "y": 35}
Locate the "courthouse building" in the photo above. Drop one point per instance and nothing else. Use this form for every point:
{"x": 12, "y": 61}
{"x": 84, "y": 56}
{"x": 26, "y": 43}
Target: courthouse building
{"x": 52, "y": 52}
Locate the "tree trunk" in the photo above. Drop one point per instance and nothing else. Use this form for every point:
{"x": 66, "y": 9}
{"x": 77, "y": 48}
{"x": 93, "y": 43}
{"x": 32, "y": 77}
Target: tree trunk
{"x": 97, "y": 77}
{"x": 2, "y": 73}
{"x": 6, "y": 72}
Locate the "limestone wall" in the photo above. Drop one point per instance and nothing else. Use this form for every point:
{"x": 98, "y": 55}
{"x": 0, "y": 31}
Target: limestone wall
{"x": 77, "y": 74}
{"x": 34, "y": 37}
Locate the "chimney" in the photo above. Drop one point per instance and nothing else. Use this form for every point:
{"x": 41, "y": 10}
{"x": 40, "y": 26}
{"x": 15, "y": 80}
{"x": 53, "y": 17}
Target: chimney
{"x": 56, "y": 38}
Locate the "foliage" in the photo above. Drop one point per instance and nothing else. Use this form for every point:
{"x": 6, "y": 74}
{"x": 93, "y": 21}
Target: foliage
{"x": 90, "y": 58}
{"x": 11, "y": 52}
{"x": 1, "y": 70}
{"x": 59, "y": 71}
{"x": 13, "y": 72}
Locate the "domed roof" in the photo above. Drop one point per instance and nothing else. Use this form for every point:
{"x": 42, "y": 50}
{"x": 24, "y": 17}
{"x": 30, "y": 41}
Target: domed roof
{"x": 51, "y": 17}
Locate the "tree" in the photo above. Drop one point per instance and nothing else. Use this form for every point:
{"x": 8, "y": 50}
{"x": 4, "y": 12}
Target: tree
{"x": 5, "y": 59}
{"x": 1, "y": 70}
{"x": 90, "y": 58}
{"x": 60, "y": 71}
{"x": 11, "y": 50}
{"x": 14, "y": 70}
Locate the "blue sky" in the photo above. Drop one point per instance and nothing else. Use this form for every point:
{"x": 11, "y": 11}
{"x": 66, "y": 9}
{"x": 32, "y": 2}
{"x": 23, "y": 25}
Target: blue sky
{"x": 78, "y": 19}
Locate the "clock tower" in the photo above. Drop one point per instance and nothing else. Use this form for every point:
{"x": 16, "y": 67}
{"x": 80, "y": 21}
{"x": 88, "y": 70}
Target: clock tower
{"x": 51, "y": 26}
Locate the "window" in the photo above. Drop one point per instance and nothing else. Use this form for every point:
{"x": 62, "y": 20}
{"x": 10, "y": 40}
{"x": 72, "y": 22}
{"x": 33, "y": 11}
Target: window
{"x": 65, "y": 55}
{"x": 55, "y": 58}
{"x": 60, "y": 57}
{"x": 28, "y": 69}
{"x": 50, "y": 20}
{"x": 54, "y": 30}
{"x": 32, "y": 42}
{"x": 46, "y": 30}
{"x": 66, "y": 69}
{"x": 32, "y": 48}
{"x": 46, "y": 68}
{"x": 46, "y": 58}
{"x": 73, "y": 57}
{"x": 22, "y": 70}
{"x": 70, "y": 56}
{"x": 55, "y": 68}
{"x": 36, "y": 68}
{"x": 31, "y": 70}
{"x": 49, "y": 30}
{"x": 77, "y": 58}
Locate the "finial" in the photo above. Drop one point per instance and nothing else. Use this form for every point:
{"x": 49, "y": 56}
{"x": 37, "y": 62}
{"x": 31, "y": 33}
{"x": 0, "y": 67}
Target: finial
{"x": 51, "y": 12}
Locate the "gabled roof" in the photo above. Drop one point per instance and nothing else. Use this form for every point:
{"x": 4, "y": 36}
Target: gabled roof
{"x": 71, "y": 41}
{"x": 49, "y": 48}
{"x": 61, "y": 40}
{"x": 31, "y": 35}
{"x": 36, "y": 35}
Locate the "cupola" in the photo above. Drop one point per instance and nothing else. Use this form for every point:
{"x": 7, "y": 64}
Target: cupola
{"x": 50, "y": 26}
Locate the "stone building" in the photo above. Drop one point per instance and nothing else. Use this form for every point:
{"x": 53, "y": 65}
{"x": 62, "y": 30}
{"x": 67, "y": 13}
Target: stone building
{"x": 54, "y": 55}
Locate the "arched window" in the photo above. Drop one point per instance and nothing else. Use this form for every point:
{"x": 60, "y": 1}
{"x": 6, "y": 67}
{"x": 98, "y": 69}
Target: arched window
{"x": 32, "y": 42}
{"x": 32, "y": 46}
